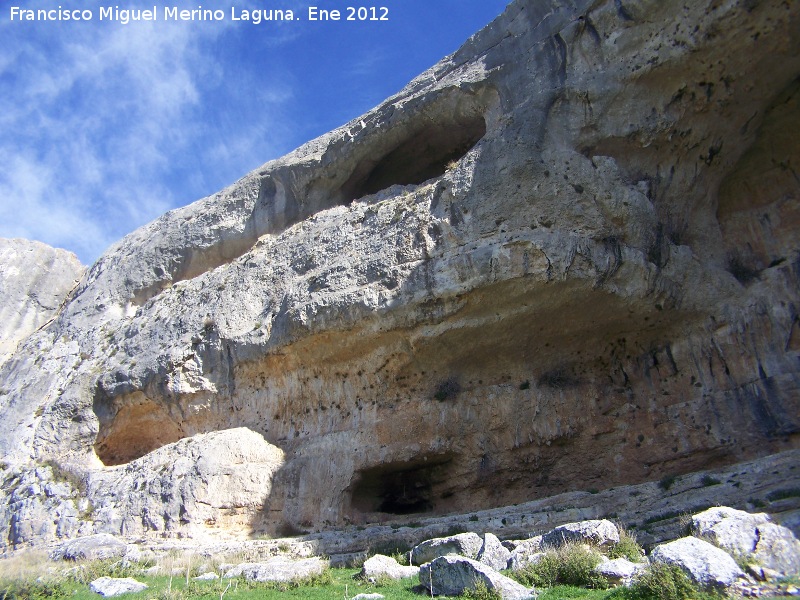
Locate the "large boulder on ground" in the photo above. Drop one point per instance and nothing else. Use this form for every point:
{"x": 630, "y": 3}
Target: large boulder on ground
{"x": 279, "y": 569}
{"x": 492, "y": 553}
{"x": 462, "y": 544}
{"x": 753, "y": 536}
{"x": 619, "y": 571}
{"x": 706, "y": 564}
{"x": 598, "y": 532}
{"x": 385, "y": 566}
{"x": 453, "y": 575}
{"x": 115, "y": 586}
{"x": 90, "y": 547}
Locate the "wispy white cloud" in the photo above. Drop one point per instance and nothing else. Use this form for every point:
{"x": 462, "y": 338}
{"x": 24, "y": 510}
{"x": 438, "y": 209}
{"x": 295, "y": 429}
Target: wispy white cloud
{"x": 103, "y": 127}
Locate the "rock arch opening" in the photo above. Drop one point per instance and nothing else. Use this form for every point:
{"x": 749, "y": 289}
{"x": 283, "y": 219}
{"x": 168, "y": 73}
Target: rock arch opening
{"x": 424, "y": 149}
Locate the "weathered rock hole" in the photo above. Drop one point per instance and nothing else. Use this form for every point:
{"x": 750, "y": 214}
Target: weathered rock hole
{"x": 400, "y": 488}
{"x": 428, "y": 151}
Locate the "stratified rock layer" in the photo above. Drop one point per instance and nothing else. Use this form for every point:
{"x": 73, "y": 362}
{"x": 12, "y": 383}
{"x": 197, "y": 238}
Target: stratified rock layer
{"x": 573, "y": 242}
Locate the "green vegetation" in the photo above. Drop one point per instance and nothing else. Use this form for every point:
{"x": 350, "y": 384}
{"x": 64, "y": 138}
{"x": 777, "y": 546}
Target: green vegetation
{"x": 666, "y": 482}
{"x": 783, "y": 494}
{"x": 481, "y": 592}
{"x": 568, "y": 592}
{"x": 663, "y": 582}
{"x": 335, "y": 583}
{"x": 626, "y": 547}
{"x": 572, "y": 564}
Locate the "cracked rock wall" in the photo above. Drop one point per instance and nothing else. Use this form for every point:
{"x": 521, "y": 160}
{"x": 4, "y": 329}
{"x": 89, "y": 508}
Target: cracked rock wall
{"x": 563, "y": 258}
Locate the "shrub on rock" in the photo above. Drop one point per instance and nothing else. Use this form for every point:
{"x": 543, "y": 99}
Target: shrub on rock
{"x": 573, "y": 564}
{"x": 598, "y": 532}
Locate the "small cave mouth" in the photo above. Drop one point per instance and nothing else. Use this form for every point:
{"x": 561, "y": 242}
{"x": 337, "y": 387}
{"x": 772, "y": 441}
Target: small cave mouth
{"x": 424, "y": 152}
{"x": 400, "y": 488}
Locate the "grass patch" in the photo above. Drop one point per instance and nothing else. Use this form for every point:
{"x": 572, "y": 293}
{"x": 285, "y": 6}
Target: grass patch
{"x": 481, "y": 592}
{"x": 663, "y": 582}
{"x": 568, "y": 592}
{"x": 334, "y": 583}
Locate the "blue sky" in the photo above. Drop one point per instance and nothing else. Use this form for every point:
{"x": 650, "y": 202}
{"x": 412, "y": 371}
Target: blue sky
{"x": 105, "y": 126}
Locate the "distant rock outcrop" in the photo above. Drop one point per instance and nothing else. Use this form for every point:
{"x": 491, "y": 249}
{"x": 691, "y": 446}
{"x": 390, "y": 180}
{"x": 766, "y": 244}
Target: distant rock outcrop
{"x": 563, "y": 259}
{"x": 35, "y": 281}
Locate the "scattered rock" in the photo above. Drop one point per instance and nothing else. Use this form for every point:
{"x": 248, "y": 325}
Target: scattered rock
{"x": 462, "y": 544}
{"x": 523, "y": 552}
{"x": 619, "y": 571}
{"x": 493, "y": 554}
{"x": 600, "y": 532}
{"x": 750, "y": 535}
{"x": 385, "y": 566}
{"x": 452, "y": 575}
{"x": 209, "y": 576}
{"x": 703, "y": 562}
{"x": 368, "y": 597}
{"x": 90, "y": 547}
{"x": 114, "y": 586}
{"x": 578, "y": 203}
{"x": 279, "y": 569}
{"x": 517, "y": 562}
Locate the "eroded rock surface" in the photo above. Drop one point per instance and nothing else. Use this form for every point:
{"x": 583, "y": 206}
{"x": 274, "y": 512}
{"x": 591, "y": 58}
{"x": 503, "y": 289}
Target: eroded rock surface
{"x": 571, "y": 242}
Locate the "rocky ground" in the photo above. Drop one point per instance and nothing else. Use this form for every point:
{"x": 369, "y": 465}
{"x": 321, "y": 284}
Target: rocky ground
{"x": 722, "y": 549}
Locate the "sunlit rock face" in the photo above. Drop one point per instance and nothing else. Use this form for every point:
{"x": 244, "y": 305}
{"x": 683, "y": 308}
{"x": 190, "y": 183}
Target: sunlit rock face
{"x": 35, "y": 281}
{"x": 563, "y": 258}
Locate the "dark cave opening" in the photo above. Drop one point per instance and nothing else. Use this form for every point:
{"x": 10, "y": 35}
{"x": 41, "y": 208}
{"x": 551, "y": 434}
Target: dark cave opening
{"x": 400, "y": 488}
{"x": 426, "y": 153}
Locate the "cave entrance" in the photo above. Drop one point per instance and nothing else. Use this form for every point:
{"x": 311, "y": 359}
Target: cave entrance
{"x": 400, "y": 488}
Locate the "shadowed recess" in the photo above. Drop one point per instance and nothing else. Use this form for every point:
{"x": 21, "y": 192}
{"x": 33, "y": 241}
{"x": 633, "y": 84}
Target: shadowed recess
{"x": 400, "y": 488}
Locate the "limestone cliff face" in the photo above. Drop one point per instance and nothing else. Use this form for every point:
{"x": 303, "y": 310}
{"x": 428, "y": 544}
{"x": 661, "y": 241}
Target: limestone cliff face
{"x": 563, "y": 258}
